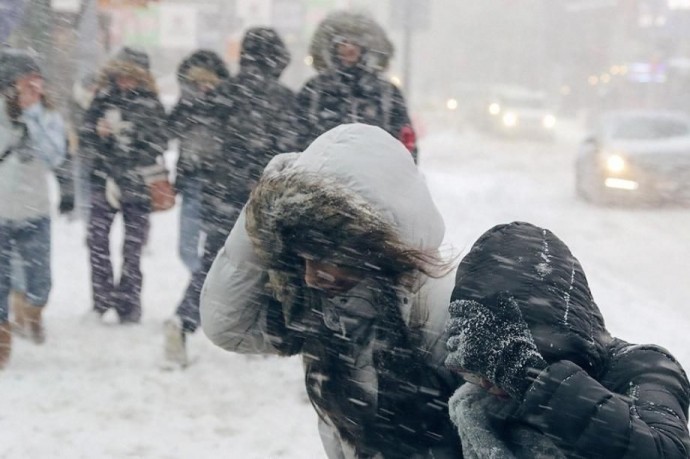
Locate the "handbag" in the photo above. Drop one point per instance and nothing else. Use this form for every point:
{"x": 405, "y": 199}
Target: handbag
{"x": 161, "y": 190}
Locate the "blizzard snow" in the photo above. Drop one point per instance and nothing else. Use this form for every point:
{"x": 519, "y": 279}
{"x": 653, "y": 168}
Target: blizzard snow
{"x": 97, "y": 390}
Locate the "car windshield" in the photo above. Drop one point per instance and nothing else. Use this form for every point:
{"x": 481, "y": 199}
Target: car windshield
{"x": 646, "y": 128}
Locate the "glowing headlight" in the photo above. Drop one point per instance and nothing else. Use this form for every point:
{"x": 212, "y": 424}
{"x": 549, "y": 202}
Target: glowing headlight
{"x": 549, "y": 121}
{"x": 452, "y": 104}
{"x": 510, "y": 119}
{"x": 615, "y": 163}
{"x": 494, "y": 109}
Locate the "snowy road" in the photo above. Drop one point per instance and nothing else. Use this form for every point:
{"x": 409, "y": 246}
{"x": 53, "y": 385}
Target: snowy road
{"x": 96, "y": 391}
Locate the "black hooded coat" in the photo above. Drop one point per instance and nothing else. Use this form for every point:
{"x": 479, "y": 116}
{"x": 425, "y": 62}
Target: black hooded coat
{"x": 599, "y": 397}
{"x": 259, "y": 125}
{"x": 358, "y": 94}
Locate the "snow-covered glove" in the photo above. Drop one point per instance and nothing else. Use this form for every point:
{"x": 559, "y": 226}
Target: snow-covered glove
{"x": 112, "y": 193}
{"x": 494, "y": 342}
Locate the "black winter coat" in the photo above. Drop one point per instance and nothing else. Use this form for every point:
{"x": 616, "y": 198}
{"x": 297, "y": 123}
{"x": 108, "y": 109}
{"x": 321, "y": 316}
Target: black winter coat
{"x": 259, "y": 125}
{"x": 199, "y": 121}
{"x": 144, "y": 140}
{"x": 335, "y": 97}
{"x": 600, "y": 397}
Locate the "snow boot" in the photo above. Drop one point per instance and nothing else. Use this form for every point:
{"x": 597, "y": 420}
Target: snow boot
{"x": 5, "y": 344}
{"x": 18, "y": 307}
{"x": 34, "y": 322}
{"x": 175, "y": 345}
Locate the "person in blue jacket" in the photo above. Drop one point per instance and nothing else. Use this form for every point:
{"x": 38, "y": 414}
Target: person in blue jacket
{"x": 32, "y": 144}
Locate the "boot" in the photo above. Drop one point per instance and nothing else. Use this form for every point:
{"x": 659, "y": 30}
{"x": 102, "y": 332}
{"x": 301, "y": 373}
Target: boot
{"x": 18, "y": 306}
{"x": 34, "y": 321}
{"x": 5, "y": 344}
{"x": 175, "y": 345}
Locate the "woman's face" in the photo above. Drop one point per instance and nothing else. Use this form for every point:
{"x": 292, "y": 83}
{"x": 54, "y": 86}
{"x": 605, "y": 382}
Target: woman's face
{"x": 329, "y": 278}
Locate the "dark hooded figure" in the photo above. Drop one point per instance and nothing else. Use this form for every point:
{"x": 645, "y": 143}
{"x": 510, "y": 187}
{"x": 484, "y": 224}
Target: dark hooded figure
{"x": 350, "y": 89}
{"x": 197, "y": 121}
{"x": 258, "y": 125}
{"x": 550, "y": 381}
{"x": 336, "y": 263}
{"x": 124, "y": 130}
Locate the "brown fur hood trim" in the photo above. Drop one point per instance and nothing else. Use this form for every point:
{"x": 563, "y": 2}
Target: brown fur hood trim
{"x": 294, "y": 213}
{"x": 126, "y": 68}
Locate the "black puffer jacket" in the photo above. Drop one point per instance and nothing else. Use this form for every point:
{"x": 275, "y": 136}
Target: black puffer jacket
{"x": 600, "y": 397}
{"x": 260, "y": 122}
{"x": 141, "y": 116}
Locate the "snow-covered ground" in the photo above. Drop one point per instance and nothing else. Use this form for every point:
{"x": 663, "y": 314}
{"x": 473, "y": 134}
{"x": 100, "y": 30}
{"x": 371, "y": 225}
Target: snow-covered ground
{"x": 97, "y": 390}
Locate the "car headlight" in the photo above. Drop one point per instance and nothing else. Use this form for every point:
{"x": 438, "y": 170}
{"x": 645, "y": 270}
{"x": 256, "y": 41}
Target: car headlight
{"x": 510, "y": 119}
{"x": 615, "y": 163}
{"x": 494, "y": 109}
{"x": 452, "y": 104}
{"x": 549, "y": 121}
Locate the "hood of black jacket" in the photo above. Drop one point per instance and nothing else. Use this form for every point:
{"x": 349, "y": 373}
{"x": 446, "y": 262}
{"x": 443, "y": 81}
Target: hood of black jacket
{"x": 538, "y": 270}
{"x": 264, "y": 50}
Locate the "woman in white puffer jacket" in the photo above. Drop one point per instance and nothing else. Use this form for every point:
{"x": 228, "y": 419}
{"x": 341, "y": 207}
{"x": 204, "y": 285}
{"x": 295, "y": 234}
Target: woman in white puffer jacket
{"x": 336, "y": 258}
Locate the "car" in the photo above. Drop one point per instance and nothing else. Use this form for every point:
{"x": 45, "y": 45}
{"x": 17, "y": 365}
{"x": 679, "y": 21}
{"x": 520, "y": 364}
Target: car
{"x": 635, "y": 156}
{"x": 517, "y": 112}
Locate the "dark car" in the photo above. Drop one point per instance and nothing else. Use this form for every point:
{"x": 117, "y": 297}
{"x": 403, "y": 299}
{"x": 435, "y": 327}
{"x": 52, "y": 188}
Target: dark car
{"x": 635, "y": 156}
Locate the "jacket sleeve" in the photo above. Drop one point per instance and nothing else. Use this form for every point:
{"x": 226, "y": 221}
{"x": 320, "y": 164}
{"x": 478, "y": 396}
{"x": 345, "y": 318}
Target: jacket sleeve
{"x": 151, "y": 129}
{"x": 646, "y": 417}
{"x": 47, "y": 134}
{"x": 237, "y": 312}
{"x": 400, "y": 123}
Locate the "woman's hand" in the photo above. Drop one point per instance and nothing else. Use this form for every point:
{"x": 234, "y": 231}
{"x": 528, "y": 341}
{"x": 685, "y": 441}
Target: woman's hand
{"x": 103, "y": 128}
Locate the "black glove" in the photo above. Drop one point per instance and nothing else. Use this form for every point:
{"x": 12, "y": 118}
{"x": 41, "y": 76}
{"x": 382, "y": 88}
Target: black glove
{"x": 493, "y": 342}
{"x": 66, "y": 204}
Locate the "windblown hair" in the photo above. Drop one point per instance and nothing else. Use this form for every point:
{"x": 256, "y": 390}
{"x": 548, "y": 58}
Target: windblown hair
{"x": 294, "y": 214}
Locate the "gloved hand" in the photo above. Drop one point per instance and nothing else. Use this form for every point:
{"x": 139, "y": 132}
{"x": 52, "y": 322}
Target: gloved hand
{"x": 112, "y": 193}
{"x": 493, "y": 342}
{"x": 66, "y": 203}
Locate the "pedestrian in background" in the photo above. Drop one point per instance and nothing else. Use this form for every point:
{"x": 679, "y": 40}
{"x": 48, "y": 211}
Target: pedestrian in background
{"x": 32, "y": 143}
{"x": 196, "y": 122}
{"x": 350, "y": 52}
{"x": 124, "y": 128}
{"x": 260, "y": 123}
{"x": 549, "y": 380}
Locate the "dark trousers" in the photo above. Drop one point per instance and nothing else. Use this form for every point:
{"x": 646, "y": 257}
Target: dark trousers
{"x": 124, "y": 296}
{"x": 217, "y": 227}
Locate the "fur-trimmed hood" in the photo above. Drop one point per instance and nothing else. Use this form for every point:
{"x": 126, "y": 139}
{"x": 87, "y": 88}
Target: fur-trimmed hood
{"x": 207, "y": 60}
{"x": 354, "y": 190}
{"x": 538, "y": 270}
{"x": 354, "y": 27}
{"x": 132, "y": 63}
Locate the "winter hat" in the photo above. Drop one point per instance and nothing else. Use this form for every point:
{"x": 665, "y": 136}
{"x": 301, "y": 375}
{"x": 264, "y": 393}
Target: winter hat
{"x": 15, "y": 63}
{"x": 202, "y": 59}
{"x": 135, "y": 57}
{"x": 263, "y": 47}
